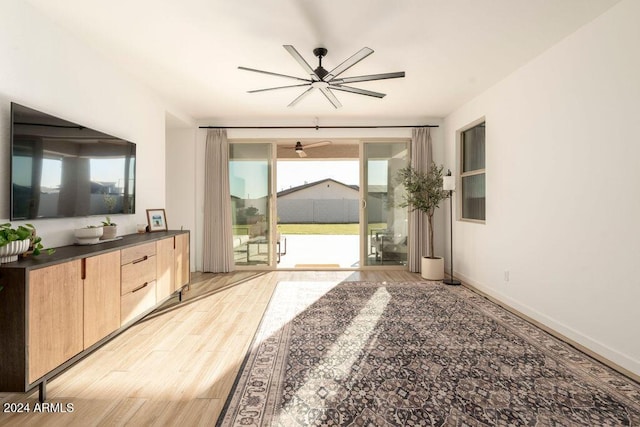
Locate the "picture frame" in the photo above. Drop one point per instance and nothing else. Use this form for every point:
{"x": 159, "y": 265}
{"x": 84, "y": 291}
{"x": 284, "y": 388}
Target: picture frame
{"x": 157, "y": 220}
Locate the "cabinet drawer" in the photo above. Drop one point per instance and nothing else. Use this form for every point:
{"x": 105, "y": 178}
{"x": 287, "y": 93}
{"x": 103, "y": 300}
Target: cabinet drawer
{"x": 137, "y": 274}
{"x": 137, "y": 302}
{"x": 137, "y": 253}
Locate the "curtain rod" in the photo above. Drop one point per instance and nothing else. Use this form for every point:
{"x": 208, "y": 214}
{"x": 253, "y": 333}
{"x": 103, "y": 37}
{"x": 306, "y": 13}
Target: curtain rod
{"x": 318, "y": 127}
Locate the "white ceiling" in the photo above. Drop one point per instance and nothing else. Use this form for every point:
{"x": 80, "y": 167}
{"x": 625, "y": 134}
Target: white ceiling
{"x": 188, "y": 51}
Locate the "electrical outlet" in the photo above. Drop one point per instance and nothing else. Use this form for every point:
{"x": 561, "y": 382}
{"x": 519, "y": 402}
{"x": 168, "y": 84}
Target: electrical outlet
{"x": 506, "y": 275}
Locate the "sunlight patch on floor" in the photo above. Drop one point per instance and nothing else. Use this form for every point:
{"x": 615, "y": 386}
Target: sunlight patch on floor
{"x": 355, "y": 337}
{"x": 305, "y": 297}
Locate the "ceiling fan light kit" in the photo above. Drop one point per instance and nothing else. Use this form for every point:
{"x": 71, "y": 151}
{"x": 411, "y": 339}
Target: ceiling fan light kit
{"x": 327, "y": 81}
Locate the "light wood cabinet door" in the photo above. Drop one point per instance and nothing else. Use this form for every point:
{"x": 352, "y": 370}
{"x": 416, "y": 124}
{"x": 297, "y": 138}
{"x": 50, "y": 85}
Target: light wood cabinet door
{"x": 101, "y": 296}
{"x": 55, "y": 317}
{"x": 165, "y": 273}
{"x": 182, "y": 260}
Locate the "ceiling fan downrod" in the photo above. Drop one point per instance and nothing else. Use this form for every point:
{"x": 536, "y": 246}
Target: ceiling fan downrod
{"x": 320, "y": 52}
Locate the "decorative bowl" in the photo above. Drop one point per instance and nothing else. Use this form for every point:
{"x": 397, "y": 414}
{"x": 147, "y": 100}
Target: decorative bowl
{"x": 10, "y": 252}
{"x": 88, "y": 236}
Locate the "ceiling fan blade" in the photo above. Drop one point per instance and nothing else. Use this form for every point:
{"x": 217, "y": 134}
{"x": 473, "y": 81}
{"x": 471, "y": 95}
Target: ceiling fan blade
{"x": 273, "y": 74}
{"x": 302, "y": 95}
{"x": 331, "y": 97}
{"x": 358, "y": 91}
{"x": 274, "y": 88}
{"x": 317, "y": 144}
{"x": 368, "y": 78}
{"x": 304, "y": 64}
{"x": 301, "y": 153}
{"x": 311, "y": 145}
{"x": 353, "y": 60}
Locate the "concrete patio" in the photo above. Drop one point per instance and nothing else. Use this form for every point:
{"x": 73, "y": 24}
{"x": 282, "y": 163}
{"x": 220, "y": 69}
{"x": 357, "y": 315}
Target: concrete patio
{"x": 320, "y": 251}
{"x": 311, "y": 251}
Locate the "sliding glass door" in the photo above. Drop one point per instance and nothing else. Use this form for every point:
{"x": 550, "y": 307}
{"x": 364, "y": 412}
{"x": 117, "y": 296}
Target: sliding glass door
{"x": 250, "y": 167}
{"x": 385, "y": 225}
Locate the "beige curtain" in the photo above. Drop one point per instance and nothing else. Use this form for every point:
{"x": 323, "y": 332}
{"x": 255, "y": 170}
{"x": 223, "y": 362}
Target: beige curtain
{"x": 421, "y": 158}
{"x": 218, "y": 239}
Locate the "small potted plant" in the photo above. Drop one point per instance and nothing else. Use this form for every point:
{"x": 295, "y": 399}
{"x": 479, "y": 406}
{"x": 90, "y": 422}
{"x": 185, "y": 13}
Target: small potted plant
{"x": 424, "y": 193}
{"x": 110, "y": 229}
{"x": 17, "y": 241}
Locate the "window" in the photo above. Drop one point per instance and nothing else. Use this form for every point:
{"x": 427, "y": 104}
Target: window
{"x": 472, "y": 149}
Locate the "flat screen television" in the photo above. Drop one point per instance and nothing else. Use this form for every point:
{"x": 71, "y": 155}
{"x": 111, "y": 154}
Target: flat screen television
{"x": 61, "y": 169}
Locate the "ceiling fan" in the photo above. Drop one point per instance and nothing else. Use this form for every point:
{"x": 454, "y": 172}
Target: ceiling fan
{"x": 327, "y": 81}
{"x": 299, "y": 148}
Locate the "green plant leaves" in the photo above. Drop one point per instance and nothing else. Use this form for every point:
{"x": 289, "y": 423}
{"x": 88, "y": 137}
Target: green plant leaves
{"x": 423, "y": 189}
{"x": 8, "y": 234}
{"x": 22, "y": 232}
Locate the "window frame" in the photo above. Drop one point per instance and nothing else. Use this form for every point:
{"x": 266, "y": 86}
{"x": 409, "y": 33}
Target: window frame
{"x": 475, "y": 172}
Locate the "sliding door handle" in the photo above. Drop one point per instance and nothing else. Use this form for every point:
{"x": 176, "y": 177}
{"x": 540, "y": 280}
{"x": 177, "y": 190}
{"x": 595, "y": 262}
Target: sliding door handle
{"x": 364, "y": 203}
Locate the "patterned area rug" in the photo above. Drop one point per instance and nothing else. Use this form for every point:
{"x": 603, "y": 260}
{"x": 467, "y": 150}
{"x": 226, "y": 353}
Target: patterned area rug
{"x": 404, "y": 354}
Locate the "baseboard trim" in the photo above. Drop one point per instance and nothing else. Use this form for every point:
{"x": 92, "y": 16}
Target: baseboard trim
{"x": 485, "y": 292}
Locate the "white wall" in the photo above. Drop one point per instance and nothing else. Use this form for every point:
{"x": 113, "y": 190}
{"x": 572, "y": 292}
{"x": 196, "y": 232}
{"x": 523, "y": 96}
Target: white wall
{"x": 181, "y": 183}
{"x": 563, "y": 201}
{"x": 44, "y": 68}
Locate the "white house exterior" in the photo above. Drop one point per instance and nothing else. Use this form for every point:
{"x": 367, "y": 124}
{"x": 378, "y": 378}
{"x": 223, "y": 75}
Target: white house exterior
{"x": 329, "y": 202}
{"x": 325, "y": 202}
{"x": 324, "y": 189}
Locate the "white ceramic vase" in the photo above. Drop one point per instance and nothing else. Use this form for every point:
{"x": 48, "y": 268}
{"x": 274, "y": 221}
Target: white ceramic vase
{"x": 10, "y": 252}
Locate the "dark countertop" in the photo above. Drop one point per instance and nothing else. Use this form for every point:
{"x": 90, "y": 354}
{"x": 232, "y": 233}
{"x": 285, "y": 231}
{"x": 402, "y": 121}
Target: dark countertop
{"x": 69, "y": 253}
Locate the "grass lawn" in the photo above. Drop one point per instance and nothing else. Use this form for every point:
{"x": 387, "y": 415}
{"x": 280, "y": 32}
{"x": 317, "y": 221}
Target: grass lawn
{"x": 324, "y": 228}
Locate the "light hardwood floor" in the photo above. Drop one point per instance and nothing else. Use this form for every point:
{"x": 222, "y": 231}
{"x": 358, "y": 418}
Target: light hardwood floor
{"x": 177, "y": 366}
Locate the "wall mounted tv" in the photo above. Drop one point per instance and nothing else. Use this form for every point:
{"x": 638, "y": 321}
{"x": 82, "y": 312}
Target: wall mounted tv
{"x": 61, "y": 169}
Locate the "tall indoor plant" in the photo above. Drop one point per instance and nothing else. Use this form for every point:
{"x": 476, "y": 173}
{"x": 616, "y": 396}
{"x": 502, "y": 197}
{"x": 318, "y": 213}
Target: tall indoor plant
{"x": 423, "y": 192}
